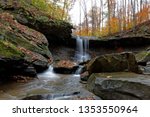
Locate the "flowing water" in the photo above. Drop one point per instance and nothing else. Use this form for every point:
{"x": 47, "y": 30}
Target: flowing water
{"x": 48, "y": 86}
{"x": 49, "y": 73}
{"x": 79, "y": 70}
{"x": 82, "y": 48}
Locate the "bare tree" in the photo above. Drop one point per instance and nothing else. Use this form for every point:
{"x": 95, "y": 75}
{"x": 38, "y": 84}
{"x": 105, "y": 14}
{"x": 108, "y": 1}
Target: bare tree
{"x": 86, "y": 17}
{"x": 108, "y": 7}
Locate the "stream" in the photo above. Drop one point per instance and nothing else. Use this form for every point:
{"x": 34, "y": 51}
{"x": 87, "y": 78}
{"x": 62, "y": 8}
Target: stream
{"x": 48, "y": 86}
{"x": 51, "y": 86}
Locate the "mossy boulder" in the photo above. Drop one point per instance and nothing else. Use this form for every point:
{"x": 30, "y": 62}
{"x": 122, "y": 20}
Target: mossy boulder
{"x": 113, "y": 63}
{"x": 21, "y": 47}
{"x": 57, "y": 31}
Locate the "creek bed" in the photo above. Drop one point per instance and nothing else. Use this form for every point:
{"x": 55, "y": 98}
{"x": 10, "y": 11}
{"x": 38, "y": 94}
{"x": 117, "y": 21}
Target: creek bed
{"x": 48, "y": 86}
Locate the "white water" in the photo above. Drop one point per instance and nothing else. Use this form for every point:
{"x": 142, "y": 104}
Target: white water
{"x": 82, "y": 48}
{"x": 49, "y": 73}
{"x": 79, "y": 70}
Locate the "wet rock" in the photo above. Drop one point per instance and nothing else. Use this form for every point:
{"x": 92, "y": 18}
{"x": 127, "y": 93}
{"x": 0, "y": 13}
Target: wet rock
{"x": 29, "y": 71}
{"x": 21, "y": 48}
{"x": 148, "y": 49}
{"x": 65, "y": 67}
{"x": 120, "y": 86}
{"x": 52, "y": 96}
{"x": 67, "y": 96}
{"x": 145, "y": 69}
{"x": 143, "y": 57}
{"x": 113, "y": 63}
{"x": 84, "y": 76}
{"x": 11, "y": 66}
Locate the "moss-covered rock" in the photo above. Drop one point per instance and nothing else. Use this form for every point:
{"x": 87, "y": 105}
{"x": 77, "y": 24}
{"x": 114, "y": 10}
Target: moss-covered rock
{"x": 8, "y": 50}
{"x": 20, "y": 43}
{"x": 26, "y": 13}
{"x": 113, "y": 63}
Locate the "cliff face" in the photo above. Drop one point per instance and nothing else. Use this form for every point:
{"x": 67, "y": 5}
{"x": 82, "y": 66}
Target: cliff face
{"x": 22, "y": 44}
{"x": 56, "y": 31}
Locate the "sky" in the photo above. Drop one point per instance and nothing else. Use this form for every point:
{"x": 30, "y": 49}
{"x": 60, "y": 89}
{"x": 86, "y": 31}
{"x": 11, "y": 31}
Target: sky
{"x": 75, "y": 12}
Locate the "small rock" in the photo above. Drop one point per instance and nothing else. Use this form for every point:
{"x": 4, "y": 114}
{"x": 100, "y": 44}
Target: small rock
{"x": 84, "y": 76}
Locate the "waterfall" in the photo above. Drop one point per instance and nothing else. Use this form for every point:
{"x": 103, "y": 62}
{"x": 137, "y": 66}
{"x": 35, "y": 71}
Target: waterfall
{"x": 49, "y": 73}
{"x": 79, "y": 70}
{"x": 82, "y": 48}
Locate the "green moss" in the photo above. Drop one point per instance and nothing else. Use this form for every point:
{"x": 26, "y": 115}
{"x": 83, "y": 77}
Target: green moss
{"x": 42, "y": 18}
{"x": 8, "y": 50}
{"x": 40, "y": 4}
{"x": 61, "y": 23}
{"x": 141, "y": 55}
{"x": 22, "y": 42}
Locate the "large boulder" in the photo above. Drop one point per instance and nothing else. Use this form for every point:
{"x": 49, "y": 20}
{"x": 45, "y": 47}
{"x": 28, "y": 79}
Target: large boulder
{"x": 26, "y": 13}
{"x": 21, "y": 47}
{"x": 121, "y": 85}
{"x": 113, "y": 63}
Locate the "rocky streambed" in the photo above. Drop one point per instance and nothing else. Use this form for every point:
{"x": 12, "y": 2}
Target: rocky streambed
{"x": 48, "y": 86}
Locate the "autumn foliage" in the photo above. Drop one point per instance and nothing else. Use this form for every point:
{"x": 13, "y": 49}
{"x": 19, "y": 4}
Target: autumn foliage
{"x": 106, "y": 17}
{"x": 57, "y": 9}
